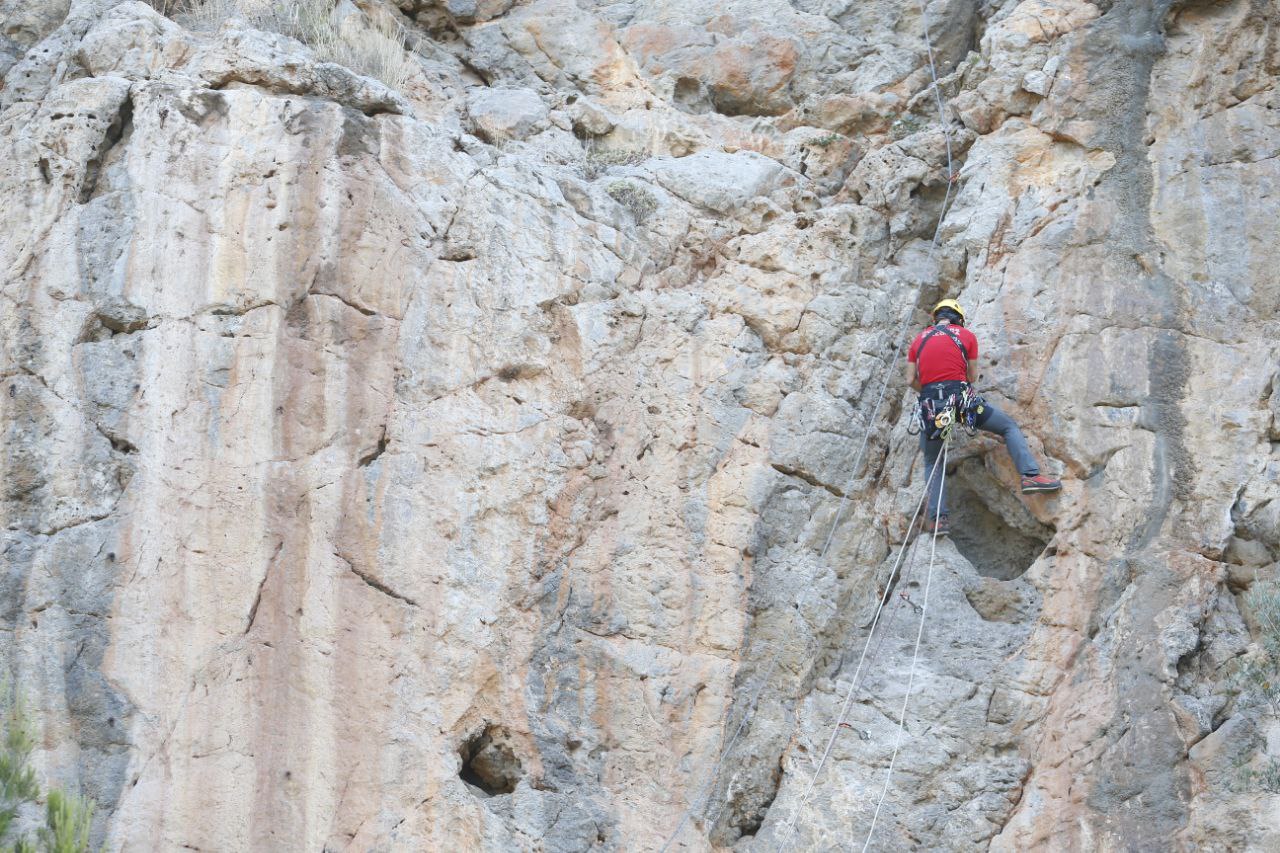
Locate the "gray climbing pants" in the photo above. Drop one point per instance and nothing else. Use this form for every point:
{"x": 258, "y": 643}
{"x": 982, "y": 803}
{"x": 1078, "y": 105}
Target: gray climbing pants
{"x": 1000, "y": 424}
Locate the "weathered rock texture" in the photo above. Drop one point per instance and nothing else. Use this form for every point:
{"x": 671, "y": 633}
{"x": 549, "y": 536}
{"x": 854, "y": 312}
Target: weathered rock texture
{"x": 451, "y": 468}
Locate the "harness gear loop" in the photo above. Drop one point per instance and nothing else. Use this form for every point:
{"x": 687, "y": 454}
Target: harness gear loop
{"x": 939, "y": 414}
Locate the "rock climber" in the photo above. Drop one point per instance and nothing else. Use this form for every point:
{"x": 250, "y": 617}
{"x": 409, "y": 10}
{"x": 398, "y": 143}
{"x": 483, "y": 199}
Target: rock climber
{"x": 942, "y": 361}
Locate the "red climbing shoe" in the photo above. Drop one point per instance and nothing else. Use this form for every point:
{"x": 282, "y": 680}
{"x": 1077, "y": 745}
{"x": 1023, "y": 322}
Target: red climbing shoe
{"x": 1040, "y": 483}
{"x": 939, "y": 525}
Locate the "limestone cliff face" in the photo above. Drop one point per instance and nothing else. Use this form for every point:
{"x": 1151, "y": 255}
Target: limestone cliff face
{"x": 449, "y": 467}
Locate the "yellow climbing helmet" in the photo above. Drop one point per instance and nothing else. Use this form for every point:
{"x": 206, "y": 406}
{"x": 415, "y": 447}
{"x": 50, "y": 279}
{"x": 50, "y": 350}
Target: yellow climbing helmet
{"x": 948, "y": 303}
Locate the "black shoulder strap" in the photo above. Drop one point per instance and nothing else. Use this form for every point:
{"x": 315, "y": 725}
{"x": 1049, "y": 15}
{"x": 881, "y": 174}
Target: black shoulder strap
{"x": 941, "y": 328}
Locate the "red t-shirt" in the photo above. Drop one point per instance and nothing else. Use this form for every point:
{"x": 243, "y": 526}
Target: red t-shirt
{"x": 942, "y": 361}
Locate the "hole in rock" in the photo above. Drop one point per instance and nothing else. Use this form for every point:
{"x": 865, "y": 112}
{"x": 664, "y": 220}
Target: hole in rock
{"x": 990, "y": 526}
{"x": 489, "y": 763}
{"x": 690, "y": 96}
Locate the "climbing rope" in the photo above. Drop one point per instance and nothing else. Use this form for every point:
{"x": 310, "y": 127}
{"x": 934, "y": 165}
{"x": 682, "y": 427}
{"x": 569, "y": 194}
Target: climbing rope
{"x": 856, "y": 681}
{"x": 777, "y": 649}
{"x": 933, "y": 249}
{"x": 915, "y": 654}
{"x": 875, "y": 414}
{"x": 789, "y": 827}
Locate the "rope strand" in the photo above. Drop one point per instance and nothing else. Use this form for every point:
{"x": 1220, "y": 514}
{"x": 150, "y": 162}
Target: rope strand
{"x": 789, "y": 827}
{"x": 934, "y": 243}
{"x": 915, "y": 655}
{"x": 866, "y": 434}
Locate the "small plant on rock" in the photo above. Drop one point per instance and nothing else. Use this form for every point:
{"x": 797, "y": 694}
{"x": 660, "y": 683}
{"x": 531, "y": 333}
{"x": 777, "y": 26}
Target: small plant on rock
{"x": 1258, "y": 675}
{"x": 67, "y": 816}
{"x": 635, "y": 198}
{"x": 825, "y": 141}
{"x": 600, "y": 160}
{"x": 1257, "y": 680}
{"x": 1263, "y": 778}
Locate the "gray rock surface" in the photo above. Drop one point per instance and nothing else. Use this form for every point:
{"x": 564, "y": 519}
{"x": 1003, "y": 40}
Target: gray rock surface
{"x": 502, "y": 114}
{"x": 471, "y": 464}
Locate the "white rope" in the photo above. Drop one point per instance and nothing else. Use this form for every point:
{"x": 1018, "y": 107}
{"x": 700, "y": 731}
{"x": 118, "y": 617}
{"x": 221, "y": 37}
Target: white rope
{"x": 937, "y": 95}
{"x": 937, "y": 232}
{"x": 933, "y": 248}
{"x": 773, "y": 660}
{"x": 915, "y": 655}
{"x": 875, "y": 412}
{"x": 789, "y": 827}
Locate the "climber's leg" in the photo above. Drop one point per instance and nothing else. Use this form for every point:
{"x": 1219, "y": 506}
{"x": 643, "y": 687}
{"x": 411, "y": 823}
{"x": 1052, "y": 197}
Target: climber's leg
{"x": 932, "y": 451}
{"x": 1002, "y": 425}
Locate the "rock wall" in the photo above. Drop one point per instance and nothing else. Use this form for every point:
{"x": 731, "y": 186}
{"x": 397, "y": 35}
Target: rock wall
{"x": 455, "y": 467}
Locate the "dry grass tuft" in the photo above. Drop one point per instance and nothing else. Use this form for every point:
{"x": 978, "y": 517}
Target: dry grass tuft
{"x": 374, "y": 49}
{"x": 634, "y": 197}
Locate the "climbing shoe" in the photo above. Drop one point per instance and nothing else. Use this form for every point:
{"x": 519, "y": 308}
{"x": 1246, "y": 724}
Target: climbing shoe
{"x": 941, "y": 524}
{"x": 1040, "y": 483}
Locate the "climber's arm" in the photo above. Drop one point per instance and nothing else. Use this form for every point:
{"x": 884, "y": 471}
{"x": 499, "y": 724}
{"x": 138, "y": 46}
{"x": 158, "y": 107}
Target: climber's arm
{"x": 971, "y": 373}
{"x": 913, "y": 375}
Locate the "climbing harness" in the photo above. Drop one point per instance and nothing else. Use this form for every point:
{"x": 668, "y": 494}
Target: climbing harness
{"x": 940, "y": 415}
{"x": 844, "y": 498}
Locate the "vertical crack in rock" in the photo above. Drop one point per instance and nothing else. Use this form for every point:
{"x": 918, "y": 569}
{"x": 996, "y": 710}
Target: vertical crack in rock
{"x": 257, "y": 598}
{"x": 117, "y": 132}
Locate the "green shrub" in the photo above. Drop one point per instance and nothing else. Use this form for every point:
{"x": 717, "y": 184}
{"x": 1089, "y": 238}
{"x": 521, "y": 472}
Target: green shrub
{"x": 1265, "y": 777}
{"x": 67, "y": 816}
{"x": 17, "y": 778}
{"x": 1257, "y": 675}
{"x": 1264, "y": 602}
{"x": 826, "y": 140}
